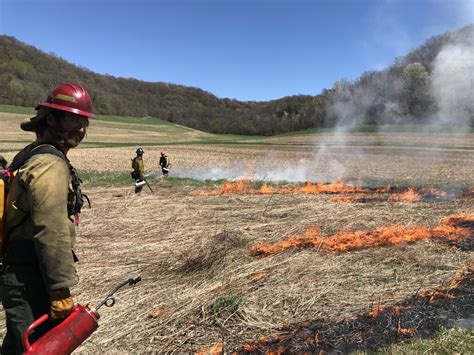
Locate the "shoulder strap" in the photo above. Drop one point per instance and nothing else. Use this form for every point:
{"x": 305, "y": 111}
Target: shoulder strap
{"x": 75, "y": 180}
{"x": 16, "y": 164}
{"x": 40, "y": 149}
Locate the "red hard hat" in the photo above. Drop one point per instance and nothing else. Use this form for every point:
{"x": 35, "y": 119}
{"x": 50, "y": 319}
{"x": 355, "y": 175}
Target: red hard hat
{"x": 71, "y": 98}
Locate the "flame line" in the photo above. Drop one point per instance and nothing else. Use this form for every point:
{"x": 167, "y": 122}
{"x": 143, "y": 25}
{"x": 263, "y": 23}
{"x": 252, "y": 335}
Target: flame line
{"x": 451, "y": 229}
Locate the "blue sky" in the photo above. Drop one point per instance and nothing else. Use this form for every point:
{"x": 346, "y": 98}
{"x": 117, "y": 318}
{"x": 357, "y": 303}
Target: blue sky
{"x": 251, "y": 50}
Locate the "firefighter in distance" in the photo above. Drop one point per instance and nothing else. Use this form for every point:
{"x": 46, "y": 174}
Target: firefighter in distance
{"x": 138, "y": 173}
{"x": 165, "y": 164}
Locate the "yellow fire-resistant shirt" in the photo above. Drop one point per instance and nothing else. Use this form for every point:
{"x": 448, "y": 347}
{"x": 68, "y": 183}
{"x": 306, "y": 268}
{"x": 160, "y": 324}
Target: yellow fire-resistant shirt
{"x": 36, "y": 211}
{"x": 137, "y": 165}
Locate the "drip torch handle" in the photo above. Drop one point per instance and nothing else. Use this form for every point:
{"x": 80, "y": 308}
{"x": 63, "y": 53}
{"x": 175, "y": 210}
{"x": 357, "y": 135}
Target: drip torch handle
{"x": 109, "y": 299}
{"x": 29, "y": 330}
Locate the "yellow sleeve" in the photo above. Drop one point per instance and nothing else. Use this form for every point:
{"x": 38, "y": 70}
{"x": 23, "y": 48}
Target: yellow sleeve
{"x": 46, "y": 178}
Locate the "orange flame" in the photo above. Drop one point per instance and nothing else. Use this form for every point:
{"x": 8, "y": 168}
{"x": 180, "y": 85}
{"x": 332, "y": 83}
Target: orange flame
{"x": 239, "y": 187}
{"x": 433, "y": 296}
{"x": 376, "y": 310}
{"x": 460, "y": 276}
{"x": 382, "y": 236}
{"x": 157, "y": 311}
{"x": 405, "y": 331}
{"x": 460, "y": 219}
{"x": 215, "y": 350}
{"x": 245, "y": 187}
{"x": 310, "y": 239}
{"x": 385, "y": 189}
{"x": 399, "y": 309}
{"x": 299, "y": 332}
{"x": 336, "y": 187}
{"x": 265, "y": 190}
{"x": 279, "y": 351}
{"x": 409, "y": 195}
{"x": 249, "y": 347}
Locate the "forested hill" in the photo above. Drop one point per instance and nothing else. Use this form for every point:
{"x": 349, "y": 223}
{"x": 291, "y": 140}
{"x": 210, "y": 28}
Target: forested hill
{"x": 401, "y": 93}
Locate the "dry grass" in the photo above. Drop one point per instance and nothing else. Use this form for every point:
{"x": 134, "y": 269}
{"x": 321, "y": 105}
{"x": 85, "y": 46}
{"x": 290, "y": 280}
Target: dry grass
{"x": 11, "y": 128}
{"x": 374, "y": 164}
{"x": 200, "y": 283}
{"x": 405, "y": 139}
{"x": 405, "y": 158}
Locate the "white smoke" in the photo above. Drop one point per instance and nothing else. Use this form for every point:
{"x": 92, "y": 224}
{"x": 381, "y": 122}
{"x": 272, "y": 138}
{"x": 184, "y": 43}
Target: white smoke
{"x": 209, "y": 173}
{"x": 322, "y": 166}
{"x": 352, "y": 102}
{"x": 451, "y": 86}
{"x": 452, "y": 83}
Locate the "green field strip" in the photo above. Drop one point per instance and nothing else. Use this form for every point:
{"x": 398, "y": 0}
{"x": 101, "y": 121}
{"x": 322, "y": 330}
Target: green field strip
{"x": 17, "y": 109}
{"x": 92, "y": 178}
{"x": 91, "y": 145}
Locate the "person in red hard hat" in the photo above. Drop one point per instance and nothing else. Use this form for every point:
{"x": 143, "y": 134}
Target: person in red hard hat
{"x": 67, "y": 103}
{"x": 42, "y": 209}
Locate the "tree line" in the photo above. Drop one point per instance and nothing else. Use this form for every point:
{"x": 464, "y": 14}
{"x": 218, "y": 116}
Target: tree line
{"x": 399, "y": 93}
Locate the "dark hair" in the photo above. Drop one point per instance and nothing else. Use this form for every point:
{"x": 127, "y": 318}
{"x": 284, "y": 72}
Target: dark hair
{"x": 43, "y": 125}
{"x": 3, "y": 162}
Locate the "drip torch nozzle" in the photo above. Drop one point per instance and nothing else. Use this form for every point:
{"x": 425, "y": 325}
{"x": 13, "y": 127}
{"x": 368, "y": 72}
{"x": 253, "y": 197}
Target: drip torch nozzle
{"x": 135, "y": 279}
{"x": 109, "y": 300}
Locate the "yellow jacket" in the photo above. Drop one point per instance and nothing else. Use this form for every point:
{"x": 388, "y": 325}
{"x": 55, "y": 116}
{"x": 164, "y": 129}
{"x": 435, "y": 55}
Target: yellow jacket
{"x": 137, "y": 165}
{"x": 36, "y": 213}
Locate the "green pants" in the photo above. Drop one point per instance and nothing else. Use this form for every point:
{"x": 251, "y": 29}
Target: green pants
{"x": 24, "y": 299}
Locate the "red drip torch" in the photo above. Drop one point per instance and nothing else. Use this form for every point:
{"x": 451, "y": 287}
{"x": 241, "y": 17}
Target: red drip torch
{"x": 72, "y": 331}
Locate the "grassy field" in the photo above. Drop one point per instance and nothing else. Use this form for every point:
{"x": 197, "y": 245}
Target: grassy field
{"x": 203, "y": 288}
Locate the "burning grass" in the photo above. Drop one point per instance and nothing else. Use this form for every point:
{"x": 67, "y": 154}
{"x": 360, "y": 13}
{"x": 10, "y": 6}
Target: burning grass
{"x": 248, "y": 187}
{"x": 408, "y": 195}
{"x": 453, "y": 229}
{"x": 110, "y": 143}
{"x": 201, "y": 287}
{"x": 362, "y": 195}
{"x": 418, "y": 316}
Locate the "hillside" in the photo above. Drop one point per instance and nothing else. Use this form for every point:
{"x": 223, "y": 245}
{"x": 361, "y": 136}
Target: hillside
{"x": 401, "y": 93}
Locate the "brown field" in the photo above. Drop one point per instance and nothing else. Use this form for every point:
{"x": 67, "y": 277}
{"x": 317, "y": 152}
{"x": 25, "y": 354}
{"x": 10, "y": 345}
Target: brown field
{"x": 201, "y": 284}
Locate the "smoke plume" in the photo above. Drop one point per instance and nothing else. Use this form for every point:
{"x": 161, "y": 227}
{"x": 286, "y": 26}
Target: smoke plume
{"x": 452, "y": 83}
{"x": 379, "y": 99}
